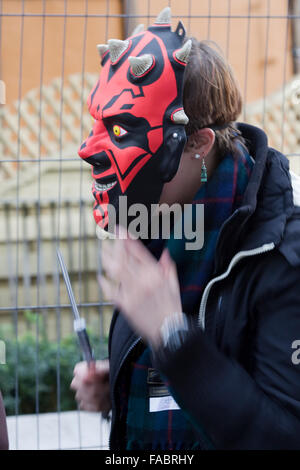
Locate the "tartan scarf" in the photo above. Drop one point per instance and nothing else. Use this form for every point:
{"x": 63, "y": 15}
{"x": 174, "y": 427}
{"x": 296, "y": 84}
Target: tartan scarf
{"x": 221, "y": 196}
{"x": 160, "y": 430}
{"x": 171, "y": 429}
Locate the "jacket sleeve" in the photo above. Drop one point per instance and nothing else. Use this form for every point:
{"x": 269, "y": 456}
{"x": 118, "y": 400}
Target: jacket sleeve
{"x": 237, "y": 409}
{"x": 3, "y": 427}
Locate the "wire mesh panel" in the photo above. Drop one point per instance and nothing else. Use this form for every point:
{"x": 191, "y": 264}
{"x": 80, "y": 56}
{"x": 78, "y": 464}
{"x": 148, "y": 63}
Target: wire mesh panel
{"x": 48, "y": 65}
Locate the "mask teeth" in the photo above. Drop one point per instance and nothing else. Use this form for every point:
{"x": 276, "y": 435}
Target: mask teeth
{"x": 117, "y": 48}
{"x": 102, "y": 48}
{"x": 179, "y": 117}
{"x": 164, "y": 17}
{"x": 138, "y": 29}
{"x": 183, "y": 53}
{"x": 140, "y": 65}
{"x": 104, "y": 187}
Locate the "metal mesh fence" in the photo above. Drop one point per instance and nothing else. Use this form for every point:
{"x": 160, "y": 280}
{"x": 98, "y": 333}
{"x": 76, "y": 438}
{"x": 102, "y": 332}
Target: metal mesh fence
{"x": 48, "y": 65}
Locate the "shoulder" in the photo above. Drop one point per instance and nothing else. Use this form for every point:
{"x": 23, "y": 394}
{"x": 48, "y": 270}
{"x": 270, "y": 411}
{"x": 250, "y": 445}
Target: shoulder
{"x": 274, "y": 283}
{"x": 289, "y": 246}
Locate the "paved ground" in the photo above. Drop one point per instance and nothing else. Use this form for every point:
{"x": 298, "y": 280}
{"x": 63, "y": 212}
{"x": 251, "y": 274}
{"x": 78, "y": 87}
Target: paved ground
{"x": 67, "y": 430}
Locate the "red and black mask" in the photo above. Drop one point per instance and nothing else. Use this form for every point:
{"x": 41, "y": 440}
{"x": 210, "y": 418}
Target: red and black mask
{"x": 139, "y": 131}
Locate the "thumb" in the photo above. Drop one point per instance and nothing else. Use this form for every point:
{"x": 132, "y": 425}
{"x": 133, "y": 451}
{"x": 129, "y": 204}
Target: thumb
{"x": 91, "y": 372}
{"x": 166, "y": 261}
{"x": 169, "y": 268}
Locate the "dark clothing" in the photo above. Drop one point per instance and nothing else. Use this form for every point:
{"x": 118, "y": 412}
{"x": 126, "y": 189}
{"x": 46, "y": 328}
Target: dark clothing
{"x": 234, "y": 376}
{"x": 152, "y": 421}
{"x": 3, "y": 428}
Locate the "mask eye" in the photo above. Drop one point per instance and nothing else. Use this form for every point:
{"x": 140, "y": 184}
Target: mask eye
{"x": 119, "y": 131}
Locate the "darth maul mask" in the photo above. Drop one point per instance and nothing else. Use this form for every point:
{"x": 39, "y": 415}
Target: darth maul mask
{"x": 139, "y": 131}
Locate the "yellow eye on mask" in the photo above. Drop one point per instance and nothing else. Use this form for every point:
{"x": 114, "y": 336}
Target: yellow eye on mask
{"x": 119, "y": 131}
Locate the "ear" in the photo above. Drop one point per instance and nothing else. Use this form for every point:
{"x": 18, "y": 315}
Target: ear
{"x": 202, "y": 141}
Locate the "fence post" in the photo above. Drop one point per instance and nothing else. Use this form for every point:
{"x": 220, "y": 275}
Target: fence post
{"x": 294, "y": 9}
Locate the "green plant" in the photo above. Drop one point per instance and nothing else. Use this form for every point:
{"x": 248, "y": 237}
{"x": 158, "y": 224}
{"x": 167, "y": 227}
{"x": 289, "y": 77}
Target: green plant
{"x": 37, "y": 374}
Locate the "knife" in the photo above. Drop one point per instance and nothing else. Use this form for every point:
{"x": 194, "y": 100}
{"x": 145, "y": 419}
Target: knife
{"x": 79, "y": 322}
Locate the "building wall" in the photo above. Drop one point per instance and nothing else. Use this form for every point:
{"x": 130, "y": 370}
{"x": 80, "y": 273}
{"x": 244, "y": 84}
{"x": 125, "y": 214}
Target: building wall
{"x": 249, "y": 44}
{"x": 65, "y": 49}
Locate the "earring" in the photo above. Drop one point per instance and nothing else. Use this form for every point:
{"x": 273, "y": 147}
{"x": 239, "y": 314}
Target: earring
{"x": 197, "y": 155}
{"x": 203, "y": 172}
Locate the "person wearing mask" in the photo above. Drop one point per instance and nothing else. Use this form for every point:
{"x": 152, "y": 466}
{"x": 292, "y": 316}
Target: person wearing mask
{"x": 201, "y": 342}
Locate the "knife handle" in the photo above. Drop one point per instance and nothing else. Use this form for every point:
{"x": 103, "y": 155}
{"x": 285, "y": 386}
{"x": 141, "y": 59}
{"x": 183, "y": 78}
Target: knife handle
{"x": 84, "y": 342}
{"x": 85, "y": 346}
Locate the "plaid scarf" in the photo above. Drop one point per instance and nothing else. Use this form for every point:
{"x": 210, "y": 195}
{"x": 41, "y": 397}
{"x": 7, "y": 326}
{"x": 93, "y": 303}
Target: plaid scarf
{"x": 171, "y": 429}
{"x": 220, "y": 196}
{"x": 159, "y": 430}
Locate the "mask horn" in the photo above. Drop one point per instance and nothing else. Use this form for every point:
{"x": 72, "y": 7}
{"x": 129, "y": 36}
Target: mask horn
{"x": 164, "y": 17}
{"x": 179, "y": 117}
{"x": 138, "y": 29}
{"x": 117, "y": 48}
{"x": 183, "y": 53}
{"x": 102, "y": 48}
{"x": 180, "y": 30}
{"x": 140, "y": 65}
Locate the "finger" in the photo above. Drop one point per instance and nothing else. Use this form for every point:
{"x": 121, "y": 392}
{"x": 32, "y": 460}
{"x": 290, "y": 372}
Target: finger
{"x": 79, "y": 367}
{"x": 108, "y": 288}
{"x": 78, "y": 397}
{"x": 116, "y": 262}
{"x": 121, "y": 232}
{"x": 80, "y": 372}
{"x": 117, "y": 295}
{"x": 168, "y": 263}
{"x": 110, "y": 263}
{"x": 91, "y": 366}
{"x": 88, "y": 407}
{"x": 137, "y": 249}
{"x": 73, "y": 385}
{"x": 170, "y": 269}
{"x": 102, "y": 364}
{"x": 173, "y": 278}
{"x": 165, "y": 261}
{"x": 139, "y": 265}
{"x": 108, "y": 248}
{"x": 121, "y": 266}
{"x": 91, "y": 374}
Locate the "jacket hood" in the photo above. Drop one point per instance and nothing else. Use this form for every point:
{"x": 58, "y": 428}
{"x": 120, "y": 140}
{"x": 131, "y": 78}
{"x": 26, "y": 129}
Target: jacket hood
{"x": 270, "y": 210}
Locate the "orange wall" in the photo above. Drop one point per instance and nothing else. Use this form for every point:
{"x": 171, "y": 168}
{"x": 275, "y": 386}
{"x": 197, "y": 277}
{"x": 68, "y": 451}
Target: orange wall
{"x": 54, "y": 38}
{"x": 97, "y": 29}
{"x": 235, "y": 45}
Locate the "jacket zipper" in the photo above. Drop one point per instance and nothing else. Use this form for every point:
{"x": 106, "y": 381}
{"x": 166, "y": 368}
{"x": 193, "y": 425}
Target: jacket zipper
{"x": 201, "y": 318}
{"x": 119, "y": 368}
{"x": 242, "y": 254}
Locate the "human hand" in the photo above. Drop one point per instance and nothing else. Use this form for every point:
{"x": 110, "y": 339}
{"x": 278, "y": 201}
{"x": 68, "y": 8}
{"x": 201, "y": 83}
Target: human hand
{"x": 144, "y": 289}
{"x": 91, "y": 383}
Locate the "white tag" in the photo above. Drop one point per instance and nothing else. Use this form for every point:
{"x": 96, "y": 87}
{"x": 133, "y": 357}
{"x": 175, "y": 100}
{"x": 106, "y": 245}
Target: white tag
{"x": 162, "y": 404}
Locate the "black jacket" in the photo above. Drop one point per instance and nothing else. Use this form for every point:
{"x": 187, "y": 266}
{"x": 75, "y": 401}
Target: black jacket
{"x": 234, "y": 374}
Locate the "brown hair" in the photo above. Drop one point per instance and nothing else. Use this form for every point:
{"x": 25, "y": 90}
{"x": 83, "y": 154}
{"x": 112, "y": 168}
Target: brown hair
{"x": 211, "y": 95}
